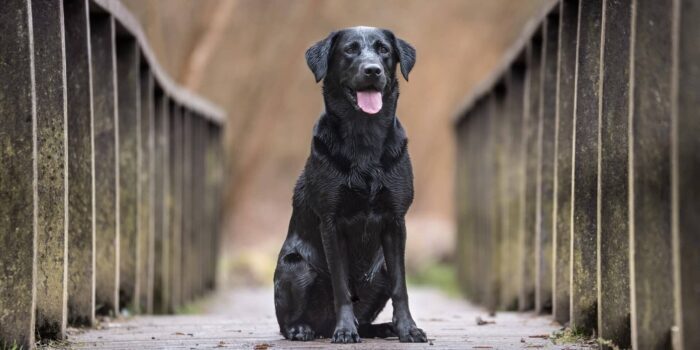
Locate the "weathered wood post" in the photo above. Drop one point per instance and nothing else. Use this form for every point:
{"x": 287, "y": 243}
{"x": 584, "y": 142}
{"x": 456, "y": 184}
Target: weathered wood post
{"x": 566, "y": 90}
{"x": 106, "y": 134}
{"x": 18, "y": 196}
{"x": 219, "y": 167}
{"x": 147, "y": 194}
{"x": 51, "y": 176}
{"x": 613, "y": 230}
{"x": 481, "y": 223}
{"x": 650, "y": 175}
{"x": 488, "y": 233}
{"x": 526, "y": 298}
{"x": 161, "y": 299}
{"x": 174, "y": 204}
{"x": 545, "y": 173}
{"x": 201, "y": 233}
{"x": 499, "y": 144}
{"x": 211, "y": 204}
{"x": 585, "y": 176}
{"x": 515, "y": 90}
{"x": 81, "y": 180}
{"x": 463, "y": 259}
{"x": 128, "y": 92}
{"x": 187, "y": 207}
{"x": 686, "y": 172}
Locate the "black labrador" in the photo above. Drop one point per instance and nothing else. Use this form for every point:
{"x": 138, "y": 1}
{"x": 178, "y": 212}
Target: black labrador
{"x": 343, "y": 257}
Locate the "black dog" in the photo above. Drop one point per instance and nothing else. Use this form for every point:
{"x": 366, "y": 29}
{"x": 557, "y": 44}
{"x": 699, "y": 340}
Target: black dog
{"x": 344, "y": 253}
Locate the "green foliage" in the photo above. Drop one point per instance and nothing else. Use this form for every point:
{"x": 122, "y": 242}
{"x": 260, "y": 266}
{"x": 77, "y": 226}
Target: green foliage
{"x": 570, "y": 336}
{"x": 439, "y": 275}
{"x": 192, "y": 308}
{"x": 13, "y": 346}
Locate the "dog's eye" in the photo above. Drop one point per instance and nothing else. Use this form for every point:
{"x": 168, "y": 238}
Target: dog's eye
{"x": 351, "y": 50}
{"x": 382, "y": 50}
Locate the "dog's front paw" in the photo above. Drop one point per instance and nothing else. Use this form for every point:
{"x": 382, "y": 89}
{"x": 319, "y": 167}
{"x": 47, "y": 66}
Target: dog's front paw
{"x": 346, "y": 335}
{"x": 411, "y": 334}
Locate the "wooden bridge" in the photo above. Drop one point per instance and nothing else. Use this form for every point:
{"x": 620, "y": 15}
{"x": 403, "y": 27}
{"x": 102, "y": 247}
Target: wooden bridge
{"x": 577, "y": 174}
{"x": 245, "y": 319}
{"x": 576, "y": 190}
{"x": 110, "y": 173}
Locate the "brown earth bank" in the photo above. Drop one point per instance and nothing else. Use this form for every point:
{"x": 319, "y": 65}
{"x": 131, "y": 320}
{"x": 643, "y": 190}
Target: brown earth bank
{"x": 248, "y": 57}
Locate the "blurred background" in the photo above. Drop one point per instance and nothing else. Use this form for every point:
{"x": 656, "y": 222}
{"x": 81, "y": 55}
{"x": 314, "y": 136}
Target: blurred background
{"x": 248, "y": 57}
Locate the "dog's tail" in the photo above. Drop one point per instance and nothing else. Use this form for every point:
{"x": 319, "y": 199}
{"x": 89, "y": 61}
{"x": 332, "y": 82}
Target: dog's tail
{"x": 379, "y": 330}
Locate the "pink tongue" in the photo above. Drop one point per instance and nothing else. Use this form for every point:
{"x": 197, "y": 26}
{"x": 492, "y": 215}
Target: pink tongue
{"x": 369, "y": 101}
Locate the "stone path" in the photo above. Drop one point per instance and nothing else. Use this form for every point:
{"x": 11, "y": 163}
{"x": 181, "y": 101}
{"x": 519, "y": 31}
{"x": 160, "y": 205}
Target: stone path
{"x": 244, "y": 319}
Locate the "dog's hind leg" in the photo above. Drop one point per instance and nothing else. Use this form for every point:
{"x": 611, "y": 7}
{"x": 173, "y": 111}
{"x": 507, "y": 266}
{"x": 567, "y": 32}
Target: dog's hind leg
{"x": 294, "y": 278}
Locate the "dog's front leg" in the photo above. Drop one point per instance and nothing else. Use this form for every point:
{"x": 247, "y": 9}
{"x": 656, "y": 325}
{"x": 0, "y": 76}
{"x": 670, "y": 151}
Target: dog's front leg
{"x": 336, "y": 256}
{"x": 394, "y": 246}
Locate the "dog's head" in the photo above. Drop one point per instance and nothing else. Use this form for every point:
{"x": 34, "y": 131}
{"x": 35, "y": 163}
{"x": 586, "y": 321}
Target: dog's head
{"x": 361, "y": 62}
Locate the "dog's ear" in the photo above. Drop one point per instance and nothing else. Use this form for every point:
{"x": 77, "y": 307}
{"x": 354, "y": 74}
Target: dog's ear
{"x": 407, "y": 56}
{"x": 318, "y": 55}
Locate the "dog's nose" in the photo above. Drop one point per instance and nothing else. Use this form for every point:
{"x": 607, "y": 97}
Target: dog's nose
{"x": 373, "y": 70}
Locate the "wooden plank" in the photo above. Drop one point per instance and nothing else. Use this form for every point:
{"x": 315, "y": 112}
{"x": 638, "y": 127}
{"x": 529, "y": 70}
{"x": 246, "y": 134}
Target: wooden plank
{"x": 81, "y": 180}
{"x": 464, "y": 223}
{"x": 613, "y": 231}
{"x": 18, "y": 194}
{"x": 200, "y": 202}
{"x": 566, "y": 90}
{"x": 585, "y": 177}
{"x": 105, "y": 133}
{"x": 686, "y": 174}
{"x": 479, "y": 252}
{"x": 500, "y": 134}
{"x": 175, "y": 204}
{"x": 650, "y": 175}
{"x": 146, "y": 193}
{"x": 161, "y": 289}
{"x": 526, "y": 299}
{"x": 52, "y": 163}
{"x": 187, "y": 207}
{"x": 544, "y": 252}
{"x": 218, "y": 167}
{"x": 129, "y": 94}
{"x": 490, "y": 235}
{"x": 213, "y": 165}
{"x": 513, "y": 224}
{"x": 449, "y": 323}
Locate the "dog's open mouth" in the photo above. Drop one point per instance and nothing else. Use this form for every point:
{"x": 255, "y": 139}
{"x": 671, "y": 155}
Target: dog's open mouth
{"x": 369, "y": 101}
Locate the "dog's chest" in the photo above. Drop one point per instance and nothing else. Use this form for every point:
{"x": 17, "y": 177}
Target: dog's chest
{"x": 364, "y": 192}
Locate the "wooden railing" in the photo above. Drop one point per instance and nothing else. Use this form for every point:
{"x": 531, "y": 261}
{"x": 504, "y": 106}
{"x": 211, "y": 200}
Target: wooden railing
{"x": 110, "y": 174}
{"x": 579, "y": 173}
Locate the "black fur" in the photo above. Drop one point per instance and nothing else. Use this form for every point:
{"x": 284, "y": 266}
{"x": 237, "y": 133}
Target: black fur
{"x": 343, "y": 258}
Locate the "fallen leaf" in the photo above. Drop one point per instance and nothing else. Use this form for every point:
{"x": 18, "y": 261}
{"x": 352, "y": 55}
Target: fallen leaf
{"x": 542, "y": 336}
{"x": 263, "y": 346}
{"x": 480, "y": 321}
{"x": 179, "y": 333}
